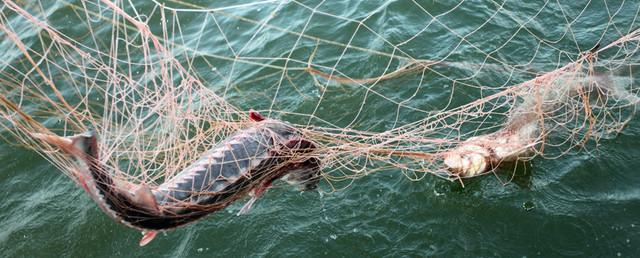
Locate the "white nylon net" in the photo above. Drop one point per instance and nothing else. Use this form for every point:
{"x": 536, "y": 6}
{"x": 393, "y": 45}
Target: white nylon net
{"x": 420, "y": 87}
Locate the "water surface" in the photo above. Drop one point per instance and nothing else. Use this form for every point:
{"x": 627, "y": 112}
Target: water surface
{"x": 583, "y": 204}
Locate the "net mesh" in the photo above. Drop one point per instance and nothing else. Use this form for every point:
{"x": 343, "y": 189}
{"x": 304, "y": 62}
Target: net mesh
{"x": 420, "y": 87}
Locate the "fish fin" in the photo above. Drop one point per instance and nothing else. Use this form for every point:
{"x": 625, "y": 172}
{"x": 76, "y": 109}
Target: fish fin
{"x": 255, "y": 194}
{"x": 247, "y": 206}
{"x": 63, "y": 143}
{"x": 145, "y": 198}
{"x": 70, "y": 144}
{"x": 147, "y": 237}
{"x": 255, "y": 116}
{"x": 81, "y": 179}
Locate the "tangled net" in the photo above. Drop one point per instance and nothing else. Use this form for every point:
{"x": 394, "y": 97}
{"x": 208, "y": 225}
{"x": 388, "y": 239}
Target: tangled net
{"x": 160, "y": 93}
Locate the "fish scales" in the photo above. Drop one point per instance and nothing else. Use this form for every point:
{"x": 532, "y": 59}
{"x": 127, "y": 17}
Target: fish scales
{"x": 217, "y": 174}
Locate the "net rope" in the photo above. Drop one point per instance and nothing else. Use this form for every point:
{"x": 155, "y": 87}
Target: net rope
{"x": 163, "y": 82}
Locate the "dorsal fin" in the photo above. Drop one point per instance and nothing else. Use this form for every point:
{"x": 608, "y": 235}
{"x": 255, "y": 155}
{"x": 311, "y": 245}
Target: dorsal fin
{"x": 255, "y": 116}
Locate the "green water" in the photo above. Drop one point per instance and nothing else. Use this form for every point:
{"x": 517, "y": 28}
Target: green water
{"x": 583, "y": 204}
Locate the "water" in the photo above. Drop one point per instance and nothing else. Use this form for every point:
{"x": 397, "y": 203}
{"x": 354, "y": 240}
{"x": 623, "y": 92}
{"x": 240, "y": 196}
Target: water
{"x": 583, "y": 204}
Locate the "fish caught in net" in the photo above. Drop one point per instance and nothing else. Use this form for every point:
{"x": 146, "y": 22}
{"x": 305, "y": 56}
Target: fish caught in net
{"x": 156, "y": 120}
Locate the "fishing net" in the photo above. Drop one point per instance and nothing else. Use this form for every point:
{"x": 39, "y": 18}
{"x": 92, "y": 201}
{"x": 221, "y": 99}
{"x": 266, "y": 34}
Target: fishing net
{"x": 379, "y": 87}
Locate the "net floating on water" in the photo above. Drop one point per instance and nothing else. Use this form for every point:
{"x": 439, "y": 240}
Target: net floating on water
{"x": 134, "y": 77}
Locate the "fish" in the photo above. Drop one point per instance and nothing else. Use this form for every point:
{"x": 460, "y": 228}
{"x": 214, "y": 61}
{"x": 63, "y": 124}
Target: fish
{"x": 246, "y": 163}
{"x": 536, "y": 116}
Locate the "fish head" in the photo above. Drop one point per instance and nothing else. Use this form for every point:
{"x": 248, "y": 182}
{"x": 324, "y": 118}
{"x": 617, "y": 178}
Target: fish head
{"x": 468, "y": 160}
{"x": 305, "y": 175}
